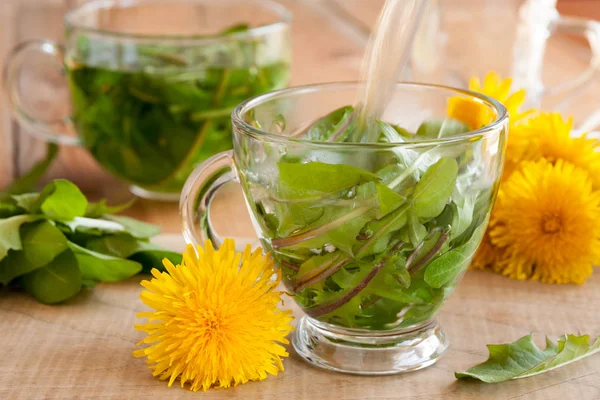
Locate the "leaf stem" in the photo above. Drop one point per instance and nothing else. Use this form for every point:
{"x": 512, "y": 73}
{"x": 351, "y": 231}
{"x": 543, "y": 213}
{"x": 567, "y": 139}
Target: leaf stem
{"x": 409, "y": 170}
{"x": 342, "y": 127}
{"x": 289, "y": 265}
{"x": 292, "y": 240}
{"x": 438, "y": 245}
{"x": 324, "y": 273}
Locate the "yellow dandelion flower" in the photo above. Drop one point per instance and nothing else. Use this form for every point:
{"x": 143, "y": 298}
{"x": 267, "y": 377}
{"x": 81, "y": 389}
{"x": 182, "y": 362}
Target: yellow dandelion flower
{"x": 548, "y": 135}
{"x": 547, "y": 219}
{"x": 488, "y": 255}
{"x": 476, "y": 114}
{"x": 215, "y": 321}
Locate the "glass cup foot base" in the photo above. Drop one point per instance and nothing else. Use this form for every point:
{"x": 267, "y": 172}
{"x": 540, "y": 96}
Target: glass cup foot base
{"x": 377, "y": 353}
{"x": 147, "y": 194}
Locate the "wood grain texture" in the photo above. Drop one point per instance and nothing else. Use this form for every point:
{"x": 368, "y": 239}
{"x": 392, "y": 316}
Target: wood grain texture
{"x": 82, "y": 349}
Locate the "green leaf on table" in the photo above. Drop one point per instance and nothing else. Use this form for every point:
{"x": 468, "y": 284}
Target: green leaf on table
{"x": 298, "y": 181}
{"x": 448, "y": 266}
{"x": 147, "y": 254}
{"x": 56, "y": 282}
{"x": 153, "y": 258}
{"x": 62, "y": 200}
{"x": 101, "y": 267}
{"x": 42, "y": 242}
{"x": 28, "y": 181}
{"x": 10, "y": 235}
{"x": 433, "y": 191}
{"x": 122, "y": 245}
{"x": 14, "y": 265}
{"x": 522, "y": 359}
{"x": 137, "y": 229}
{"x": 97, "y": 210}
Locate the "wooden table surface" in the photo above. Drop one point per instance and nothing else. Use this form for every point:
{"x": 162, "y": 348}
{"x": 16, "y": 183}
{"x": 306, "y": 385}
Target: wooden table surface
{"x": 82, "y": 349}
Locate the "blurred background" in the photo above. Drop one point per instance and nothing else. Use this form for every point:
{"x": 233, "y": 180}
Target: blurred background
{"x": 329, "y": 37}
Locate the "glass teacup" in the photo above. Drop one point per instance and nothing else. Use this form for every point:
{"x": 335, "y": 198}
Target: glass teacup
{"x": 153, "y": 82}
{"x": 371, "y": 238}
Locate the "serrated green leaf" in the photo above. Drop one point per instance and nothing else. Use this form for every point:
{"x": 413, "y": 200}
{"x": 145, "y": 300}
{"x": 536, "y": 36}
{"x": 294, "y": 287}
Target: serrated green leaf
{"x": 62, "y": 200}
{"x": 522, "y": 359}
{"x": 56, "y": 282}
{"x": 153, "y": 258}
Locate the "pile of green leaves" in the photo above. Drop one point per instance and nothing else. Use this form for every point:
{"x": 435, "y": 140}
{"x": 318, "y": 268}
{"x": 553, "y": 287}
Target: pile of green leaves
{"x": 55, "y": 242}
{"x": 152, "y": 122}
{"x": 379, "y": 239}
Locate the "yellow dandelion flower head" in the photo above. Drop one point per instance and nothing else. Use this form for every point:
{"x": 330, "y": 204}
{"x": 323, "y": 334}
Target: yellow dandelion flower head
{"x": 215, "y": 321}
{"x": 488, "y": 255}
{"x": 547, "y": 219}
{"x": 476, "y": 114}
{"x": 548, "y": 135}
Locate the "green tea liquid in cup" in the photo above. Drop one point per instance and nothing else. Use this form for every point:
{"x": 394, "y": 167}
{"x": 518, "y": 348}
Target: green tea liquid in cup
{"x": 371, "y": 238}
{"x": 153, "y": 82}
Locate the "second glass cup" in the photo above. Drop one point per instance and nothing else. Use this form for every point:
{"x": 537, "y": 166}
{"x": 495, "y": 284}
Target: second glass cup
{"x": 153, "y": 82}
{"x": 371, "y": 238}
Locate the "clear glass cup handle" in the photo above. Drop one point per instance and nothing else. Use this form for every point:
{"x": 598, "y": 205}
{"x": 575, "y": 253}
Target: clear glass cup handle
{"x": 57, "y": 131}
{"x": 536, "y": 26}
{"x": 198, "y": 192}
{"x": 591, "y": 31}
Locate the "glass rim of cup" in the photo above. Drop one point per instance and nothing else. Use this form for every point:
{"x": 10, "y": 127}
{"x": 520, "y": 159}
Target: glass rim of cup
{"x": 470, "y": 136}
{"x": 284, "y": 17}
